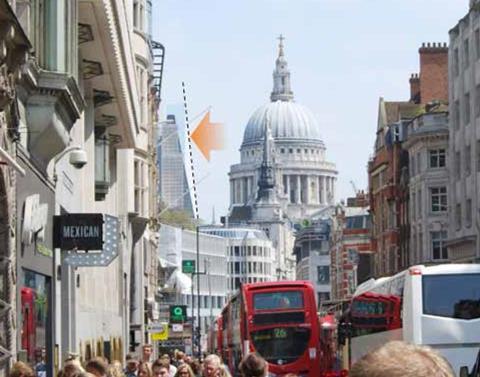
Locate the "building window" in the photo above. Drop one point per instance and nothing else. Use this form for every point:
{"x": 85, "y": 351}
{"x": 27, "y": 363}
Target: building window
{"x": 478, "y": 155}
{"x": 456, "y": 67}
{"x": 438, "y": 199}
{"x": 458, "y": 216}
{"x": 439, "y": 250}
{"x": 468, "y": 213}
{"x": 458, "y": 165}
{"x": 135, "y": 13}
{"x": 412, "y": 165}
{"x": 477, "y": 101}
{"x": 468, "y": 160}
{"x": 102, "y": 164}
{"x": 237, "y": 267}
{"x": 290, "y": 150}
{"x": 477, "y": 44}
{"x": 142, "y": 93}
{"x": 437, "y": 158}
{"x": 456, "y": 114}
{"x": 140, "y": 188}
{"x": 419, "y": 163}
{"x": 282, "y": 150}
{"x": 466, "y": 53}
{"x": 419, "y": 197}
{"x": 323, "y": 274}
{"x": 467, "y": 108}
{"x": 139, "y": 14}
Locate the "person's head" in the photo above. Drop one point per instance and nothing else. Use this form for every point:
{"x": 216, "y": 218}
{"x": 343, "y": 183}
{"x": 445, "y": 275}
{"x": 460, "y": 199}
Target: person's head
{"x": 115, "y": 369}
{"x": 131, "y": 363}
{"x": 399, "y": 359}
{"x": 160, "y": 369}
{"x": 222, "y": 371}
{"x": 253, "y": 365}
{"x": 196, "y": 366}
{"x": 147, "y": 351}
{"x": 97, "y": 366}
{"x": 117, "y": 365}
{"x": 82, "y": 373}
{"x": 180, "y": 356}
{"x": 20, "y": 369}
{"x": 39, "y": 355}
{"x": 71, "y": 369}
{"x": 165, "y": 359}
{"x": 144, "y": 369}
{"x": 210, "y": 364}
{"x": 184, "y": 370}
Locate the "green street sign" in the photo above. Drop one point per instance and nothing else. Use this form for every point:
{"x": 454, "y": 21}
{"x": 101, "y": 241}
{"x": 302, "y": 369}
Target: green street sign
{"x": 188, "y": 266}
{"x": 178, "y": 313}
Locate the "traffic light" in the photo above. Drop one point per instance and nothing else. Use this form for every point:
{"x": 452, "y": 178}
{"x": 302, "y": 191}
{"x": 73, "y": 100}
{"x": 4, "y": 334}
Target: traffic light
{"x": 178, "y": 313}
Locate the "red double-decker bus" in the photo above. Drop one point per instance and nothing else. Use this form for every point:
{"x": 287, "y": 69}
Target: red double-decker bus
{"x": 277, "y": 320}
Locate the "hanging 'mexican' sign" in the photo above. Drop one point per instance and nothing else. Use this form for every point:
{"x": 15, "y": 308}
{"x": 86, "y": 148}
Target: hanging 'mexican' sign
{"x": 78, "y": 231}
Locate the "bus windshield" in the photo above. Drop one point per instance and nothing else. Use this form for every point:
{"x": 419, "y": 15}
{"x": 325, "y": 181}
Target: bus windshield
{"x": 281, "y": 345}
{"x": 278, "y": 300}
{"x": 453, "y": 296}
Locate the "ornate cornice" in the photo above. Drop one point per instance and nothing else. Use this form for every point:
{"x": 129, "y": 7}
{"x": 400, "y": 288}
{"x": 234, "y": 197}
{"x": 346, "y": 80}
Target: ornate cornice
{"x": 122, "y": 54}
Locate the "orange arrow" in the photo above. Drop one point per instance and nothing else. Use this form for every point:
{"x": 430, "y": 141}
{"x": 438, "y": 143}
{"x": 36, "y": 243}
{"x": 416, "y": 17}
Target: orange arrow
{"x": 208, "y": 136}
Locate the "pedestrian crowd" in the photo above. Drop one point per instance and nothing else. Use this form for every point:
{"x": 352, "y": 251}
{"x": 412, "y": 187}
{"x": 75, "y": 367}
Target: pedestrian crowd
{"x": 177, "y": 365}
{"x": 394, "y": 359}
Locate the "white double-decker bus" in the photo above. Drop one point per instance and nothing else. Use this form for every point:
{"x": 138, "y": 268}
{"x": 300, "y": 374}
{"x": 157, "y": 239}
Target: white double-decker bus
{"x": 438, "y": 306}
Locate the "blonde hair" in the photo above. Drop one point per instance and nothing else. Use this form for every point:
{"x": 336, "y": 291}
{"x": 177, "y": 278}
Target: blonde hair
{"x": 400, "y": 359}
{"x": 213, "y": 359}
{"x": 115, "y": 369}
{"x": 20, "y": 369}
{"x": 187, "y": 367}
{"x": 223, "y": 371}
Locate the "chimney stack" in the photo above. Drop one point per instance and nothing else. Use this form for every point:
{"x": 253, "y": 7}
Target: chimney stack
{"x": 415, "y": 88}
{"x": 433, "y": 72}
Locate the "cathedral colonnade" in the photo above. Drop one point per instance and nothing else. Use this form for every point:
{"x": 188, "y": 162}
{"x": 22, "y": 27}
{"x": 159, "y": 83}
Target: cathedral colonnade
{"x": 297, "y": 188}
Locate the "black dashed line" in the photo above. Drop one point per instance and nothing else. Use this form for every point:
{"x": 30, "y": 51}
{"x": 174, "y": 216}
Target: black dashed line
{"x": 190, "y": 149}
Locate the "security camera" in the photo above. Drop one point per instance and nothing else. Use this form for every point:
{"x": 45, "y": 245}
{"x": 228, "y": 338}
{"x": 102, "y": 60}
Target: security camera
{"x": 78, "y": 158}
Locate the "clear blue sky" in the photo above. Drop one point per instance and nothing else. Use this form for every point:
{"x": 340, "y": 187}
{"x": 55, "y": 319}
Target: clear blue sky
{"x": 343, "y": 55}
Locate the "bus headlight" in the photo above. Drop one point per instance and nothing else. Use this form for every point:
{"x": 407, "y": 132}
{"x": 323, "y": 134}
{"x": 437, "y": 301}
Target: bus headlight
{"x": 312, "y": 352}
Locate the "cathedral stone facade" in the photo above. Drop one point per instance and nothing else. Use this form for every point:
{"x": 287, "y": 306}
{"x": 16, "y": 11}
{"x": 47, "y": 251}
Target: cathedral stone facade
{"x": 283, "y": 176}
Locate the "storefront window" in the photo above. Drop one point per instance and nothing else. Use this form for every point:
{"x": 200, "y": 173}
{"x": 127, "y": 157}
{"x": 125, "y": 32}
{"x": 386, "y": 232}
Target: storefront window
{"x": 35, "y": 306}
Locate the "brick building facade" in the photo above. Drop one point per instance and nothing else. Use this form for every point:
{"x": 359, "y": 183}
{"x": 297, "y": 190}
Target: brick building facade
{"x": 388, "y": 167}
{"x": 350, "y": 247}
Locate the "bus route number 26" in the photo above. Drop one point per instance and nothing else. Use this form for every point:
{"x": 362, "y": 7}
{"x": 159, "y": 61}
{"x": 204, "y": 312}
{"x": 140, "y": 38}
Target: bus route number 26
{"x": 279, "y": 333}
